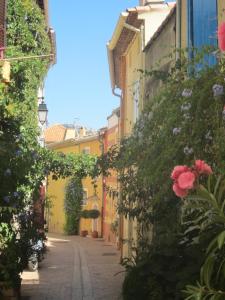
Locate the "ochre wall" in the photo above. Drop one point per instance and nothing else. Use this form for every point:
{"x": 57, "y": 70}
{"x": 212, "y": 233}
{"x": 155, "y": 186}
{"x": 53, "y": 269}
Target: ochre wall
{"x": 133, "y": 64}
{"x": 160, "y": 55}
{"x": 56, "y": 190}
{"x": 221, "y": 11}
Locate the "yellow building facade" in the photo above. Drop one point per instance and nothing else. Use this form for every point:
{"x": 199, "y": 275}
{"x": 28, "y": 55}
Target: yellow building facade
{"x": 134, "y": 29}
{"x": 93, "y": 197}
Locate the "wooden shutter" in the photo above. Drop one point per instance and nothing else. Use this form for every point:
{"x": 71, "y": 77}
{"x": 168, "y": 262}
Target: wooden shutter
{"x": 3, "y": 4}
{"x": 202, "y": 25}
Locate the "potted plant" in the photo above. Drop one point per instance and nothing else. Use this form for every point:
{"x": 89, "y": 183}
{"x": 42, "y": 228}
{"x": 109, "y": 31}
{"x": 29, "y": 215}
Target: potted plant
{"x": 84, "y": 233}
{"x": 94, "y": 234}
{"x": 91, "y": 214}
{"x": 94, "y": 214}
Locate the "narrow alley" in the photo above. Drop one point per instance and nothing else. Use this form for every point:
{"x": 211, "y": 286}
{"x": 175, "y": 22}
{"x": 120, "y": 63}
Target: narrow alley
{"x": 75, "y": 268}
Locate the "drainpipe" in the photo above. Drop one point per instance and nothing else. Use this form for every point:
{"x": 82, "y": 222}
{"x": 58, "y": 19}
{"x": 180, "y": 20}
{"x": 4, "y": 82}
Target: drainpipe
{"x": 101, "y": 141}
{"x": 178, "y": 28}
{"x": 115, "y": 93}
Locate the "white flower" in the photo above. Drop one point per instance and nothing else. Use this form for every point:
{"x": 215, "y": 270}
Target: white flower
{"x": 176, "y": 131}
{"x": 7, "y": 172}
{"x": 187, "y": 93}
{"x": 208, "y": 135}
{"x": 187, "y": 116}
{"x": 188, "y": 151}
{"x": 185, "y": 107}
{"x": 217, "y": 90}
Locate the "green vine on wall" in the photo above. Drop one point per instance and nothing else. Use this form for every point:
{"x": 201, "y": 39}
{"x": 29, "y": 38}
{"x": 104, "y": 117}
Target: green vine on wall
{"x": 72, "y": 205}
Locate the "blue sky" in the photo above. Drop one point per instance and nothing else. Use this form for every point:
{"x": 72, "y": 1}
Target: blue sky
{"x": 78, "y": 86}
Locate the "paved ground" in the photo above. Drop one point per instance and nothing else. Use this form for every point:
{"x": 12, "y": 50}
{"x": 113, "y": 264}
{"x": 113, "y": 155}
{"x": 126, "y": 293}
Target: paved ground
{"x": 75, "y": 268}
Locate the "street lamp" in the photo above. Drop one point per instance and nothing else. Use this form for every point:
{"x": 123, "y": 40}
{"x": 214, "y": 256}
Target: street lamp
{"x": 42, "y": 112}
{"x": 42, "y": 107}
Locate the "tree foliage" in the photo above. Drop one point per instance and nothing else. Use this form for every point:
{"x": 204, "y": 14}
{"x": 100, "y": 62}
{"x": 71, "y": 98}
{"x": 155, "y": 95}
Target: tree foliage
{"x": 23, "y": 163}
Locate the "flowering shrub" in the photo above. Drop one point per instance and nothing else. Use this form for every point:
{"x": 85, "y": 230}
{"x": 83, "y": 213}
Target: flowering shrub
{"x": 221, "y": 36}
{"x": 182, "y": 122}
{"x": 203, "y": 212}
{"x": 185, "y": 178}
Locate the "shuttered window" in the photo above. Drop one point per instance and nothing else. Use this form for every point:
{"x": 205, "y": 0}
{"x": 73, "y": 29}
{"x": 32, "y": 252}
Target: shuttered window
{"x": 202, "y": 25}
{"x": 2, "y": 23}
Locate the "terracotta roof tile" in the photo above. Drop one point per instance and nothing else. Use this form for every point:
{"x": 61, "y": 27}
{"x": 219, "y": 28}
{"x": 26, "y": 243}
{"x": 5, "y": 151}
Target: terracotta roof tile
{"x": 55, "y": 133}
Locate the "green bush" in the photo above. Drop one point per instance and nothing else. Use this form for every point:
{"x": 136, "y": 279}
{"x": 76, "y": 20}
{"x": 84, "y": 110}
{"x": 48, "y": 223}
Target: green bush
{"x": 183, "y": 122}
{"x": 90, "y": 214}
{"x": 139, "y": 283}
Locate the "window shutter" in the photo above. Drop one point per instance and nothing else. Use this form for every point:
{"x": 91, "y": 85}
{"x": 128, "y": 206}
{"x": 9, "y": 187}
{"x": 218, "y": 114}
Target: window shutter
{"x": 202, "y": 25}
{"x": 3, "y": 4}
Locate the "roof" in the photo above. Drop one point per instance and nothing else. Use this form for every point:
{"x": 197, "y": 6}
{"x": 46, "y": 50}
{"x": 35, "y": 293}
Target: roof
{"x": 121, "y": 39}
{"x": 55, "y": 133}
{"x": 116, "y": 112}
{"x": 72, "y": 142}
{"x": 59, "y": 133}
{"x": 161, "y": 27}
{"x": 128, "y": 25}
{"x": 44, "y": 6}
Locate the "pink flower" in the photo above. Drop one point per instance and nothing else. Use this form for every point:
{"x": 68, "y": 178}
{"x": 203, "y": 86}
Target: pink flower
{"x": 221, "y": 36}
{"x": 186, "y": 180}
{"x": 177, "y": 171}
{"x": 178, "y": 191}
{"x": 202, "y": 168}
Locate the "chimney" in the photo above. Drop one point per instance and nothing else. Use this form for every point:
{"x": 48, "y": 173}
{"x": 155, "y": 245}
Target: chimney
{"x": 148, "y": 2}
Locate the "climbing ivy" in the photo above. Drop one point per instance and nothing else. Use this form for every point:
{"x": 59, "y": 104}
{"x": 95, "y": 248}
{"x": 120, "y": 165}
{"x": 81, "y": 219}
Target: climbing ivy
{"x": 72, "y": 205}
{"x": 23, "y": 163}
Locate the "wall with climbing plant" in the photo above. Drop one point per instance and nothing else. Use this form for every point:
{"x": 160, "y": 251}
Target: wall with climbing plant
{"x": 23, "y": 163}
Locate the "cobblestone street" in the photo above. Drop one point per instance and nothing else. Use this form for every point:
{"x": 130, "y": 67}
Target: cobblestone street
{"x": 75, "y": 268}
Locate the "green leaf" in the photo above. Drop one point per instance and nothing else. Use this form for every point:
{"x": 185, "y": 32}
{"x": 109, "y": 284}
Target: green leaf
{"x": 207, "y": 271}
{"x": 221, "y": 239}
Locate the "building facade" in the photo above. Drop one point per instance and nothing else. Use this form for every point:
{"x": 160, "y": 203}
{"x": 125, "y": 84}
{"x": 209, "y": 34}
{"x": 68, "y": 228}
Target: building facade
{"x": 110, "y": 216}
{"x": 160, "y": 54}
{"x": 134, "y": 29}
{"x": 93, "y": 198}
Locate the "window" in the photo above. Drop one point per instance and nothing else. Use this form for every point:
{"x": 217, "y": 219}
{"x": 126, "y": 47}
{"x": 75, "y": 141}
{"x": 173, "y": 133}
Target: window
{"x": 85, "y": 196}
{"x": 86, "y": 150}
{"x": 202, "y": 26}
{"x": 136, "y": 96}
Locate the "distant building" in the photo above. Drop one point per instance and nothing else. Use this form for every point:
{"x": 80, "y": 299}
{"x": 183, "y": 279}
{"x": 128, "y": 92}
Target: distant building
{"x": 85, "y": 143}
{"x": 63, "y": 132}
{"x": 111, "y": 219}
